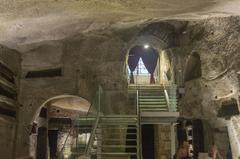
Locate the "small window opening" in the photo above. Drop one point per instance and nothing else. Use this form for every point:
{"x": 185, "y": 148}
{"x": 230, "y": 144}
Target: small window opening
{"x": 229, "y": 108}
{"x": 45, "y": 73}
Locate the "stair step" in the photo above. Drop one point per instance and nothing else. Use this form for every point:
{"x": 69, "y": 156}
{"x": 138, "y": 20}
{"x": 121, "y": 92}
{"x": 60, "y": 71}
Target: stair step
{"x": 151, "y": 97}
{"x": 155, "y": 109}
{"x": 105, "y": 139}
{"x": 159, "y": 95}
{"x": 118, "y": 146}
{"x": 152, "y": 100}
{"x": 116, "y": 128}
{"x": 153, "y": 103}
{"x": 117, "y": 133}
{"x": 151, "y": 90}
{"x": 102, "y": 121}
{"x": 119, "y": 116}
{"x": 116, "y": 153}
{"x": 117, "y": 121}
{"x": 153, "y": 106}
{"x": 149, "y": 106}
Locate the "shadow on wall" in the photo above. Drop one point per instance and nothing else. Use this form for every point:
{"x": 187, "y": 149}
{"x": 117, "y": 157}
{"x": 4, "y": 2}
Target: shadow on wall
{"x": 193, "y": 67}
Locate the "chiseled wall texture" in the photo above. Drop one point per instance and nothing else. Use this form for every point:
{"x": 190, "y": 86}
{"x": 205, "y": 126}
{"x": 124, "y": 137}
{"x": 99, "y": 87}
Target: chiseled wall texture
{"x": 12, "y": 59}
{"x": 98, "y": 58}
{"x": 217, "y": 41}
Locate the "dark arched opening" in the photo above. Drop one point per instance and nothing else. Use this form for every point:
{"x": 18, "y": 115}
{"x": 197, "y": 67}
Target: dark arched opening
{"x": 193, "y": 67}
{"x": 51, "y": 131}
{"x": 142, "y": 62}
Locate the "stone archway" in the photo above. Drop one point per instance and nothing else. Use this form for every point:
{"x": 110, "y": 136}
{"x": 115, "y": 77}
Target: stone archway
{"x": 60, "y": 109}
{"x": 166, "y": 74}
{"x": 160, "y": 36}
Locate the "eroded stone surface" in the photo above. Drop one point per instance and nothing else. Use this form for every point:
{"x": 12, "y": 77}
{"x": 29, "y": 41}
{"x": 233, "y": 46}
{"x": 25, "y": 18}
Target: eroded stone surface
{"x": 30, "y": 21}
{"x": 98, "y": 58}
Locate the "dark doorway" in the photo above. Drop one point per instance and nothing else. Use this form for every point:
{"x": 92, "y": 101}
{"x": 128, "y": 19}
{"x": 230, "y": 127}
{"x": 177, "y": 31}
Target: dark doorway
{"x": 198, "y": 137}
{"x": 42, "y": 143}
{"x": 52, "y": 138}
{"x": 148, "y": 141}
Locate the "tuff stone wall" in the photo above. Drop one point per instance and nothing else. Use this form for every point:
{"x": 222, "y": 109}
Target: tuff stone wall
{"x": 216, "y": 40}
{"x": 98, "y": 58}
{"x": 8, "y": 123}
{"x": 162, "y": 140}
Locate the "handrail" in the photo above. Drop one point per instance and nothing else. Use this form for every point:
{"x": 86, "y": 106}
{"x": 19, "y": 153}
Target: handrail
{"x": 88, "y": 147}
{"x": 92, "y": 136}
{"x": 66, "y": 140}
{"x": 166, "y": 97}
{"x": 139, "y": 138}
{"x": 97, "y": 96}
{"x": 91, "y": 139}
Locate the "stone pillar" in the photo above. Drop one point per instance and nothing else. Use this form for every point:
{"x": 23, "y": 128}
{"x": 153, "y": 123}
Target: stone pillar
{"x": 163, "y": 141}
{"x": 42, "y": 143}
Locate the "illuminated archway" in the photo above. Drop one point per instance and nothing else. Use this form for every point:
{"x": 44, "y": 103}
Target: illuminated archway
{"x": 61, "y": 109}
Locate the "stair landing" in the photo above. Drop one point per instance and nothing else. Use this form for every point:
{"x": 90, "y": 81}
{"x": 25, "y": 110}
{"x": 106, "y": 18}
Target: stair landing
{"x": 159, "y": 117}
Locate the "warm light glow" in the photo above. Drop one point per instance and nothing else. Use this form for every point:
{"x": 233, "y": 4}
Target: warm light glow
{"x": 146, "y": 46}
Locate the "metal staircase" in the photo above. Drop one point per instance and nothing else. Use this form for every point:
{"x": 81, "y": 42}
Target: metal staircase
{"x": 115, "y": 136}
{"x": 112, "y": 136}
{"x": 115, "y": 144}
{"x": 152, "y": 100}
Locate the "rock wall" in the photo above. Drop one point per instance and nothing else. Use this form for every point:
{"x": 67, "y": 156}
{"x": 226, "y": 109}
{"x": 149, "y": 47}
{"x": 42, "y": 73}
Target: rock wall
{"x": 162, "y": 140}
{"x": 9, "y": 74}
{"x": 87, "y": 61}
{"x": 216, "y": 41}
{"x": 98, "y": 58}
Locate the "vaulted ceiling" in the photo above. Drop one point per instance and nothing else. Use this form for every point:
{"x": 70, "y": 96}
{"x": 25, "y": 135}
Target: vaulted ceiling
{"x": 32, "y": 21}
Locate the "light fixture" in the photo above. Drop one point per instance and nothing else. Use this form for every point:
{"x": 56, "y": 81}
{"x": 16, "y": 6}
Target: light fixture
{"x": 146, "y": 46}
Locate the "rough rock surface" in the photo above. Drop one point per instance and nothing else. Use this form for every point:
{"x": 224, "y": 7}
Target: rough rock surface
{"x": 217, "y": 42}
{"x": 30, "y": 21}
{"x": 98, "y": 58}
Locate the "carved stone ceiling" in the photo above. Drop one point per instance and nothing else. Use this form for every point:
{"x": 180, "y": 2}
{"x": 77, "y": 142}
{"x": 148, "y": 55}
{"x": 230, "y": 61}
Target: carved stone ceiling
{"x": 32, "y": 21}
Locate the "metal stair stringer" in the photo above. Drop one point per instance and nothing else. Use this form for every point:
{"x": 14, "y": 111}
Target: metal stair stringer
{"x": 117, "y": 137}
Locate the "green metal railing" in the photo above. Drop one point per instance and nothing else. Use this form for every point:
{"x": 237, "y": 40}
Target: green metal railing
{"x": 123, "y": 107}
{"x": 171, "y": 97}
{"x": 90, "y": 120}
{"x": 157, "y": 99}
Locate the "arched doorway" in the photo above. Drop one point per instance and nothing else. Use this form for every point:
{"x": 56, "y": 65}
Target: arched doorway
{"x": 149, "y": 66}
{"x": 52, "y": 125}
{"x": 142, "y": 65}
